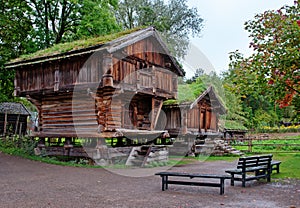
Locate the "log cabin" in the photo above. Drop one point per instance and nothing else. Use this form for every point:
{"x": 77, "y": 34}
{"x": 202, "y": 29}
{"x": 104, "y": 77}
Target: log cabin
{"x": 106, "y": 87}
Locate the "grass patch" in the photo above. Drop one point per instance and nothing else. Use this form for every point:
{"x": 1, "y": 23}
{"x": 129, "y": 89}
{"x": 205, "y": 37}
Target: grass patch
{"x": 289, "y": 167}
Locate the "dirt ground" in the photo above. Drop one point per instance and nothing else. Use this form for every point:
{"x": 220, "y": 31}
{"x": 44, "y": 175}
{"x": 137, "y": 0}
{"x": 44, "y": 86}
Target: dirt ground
{"x": 25, "y": 183}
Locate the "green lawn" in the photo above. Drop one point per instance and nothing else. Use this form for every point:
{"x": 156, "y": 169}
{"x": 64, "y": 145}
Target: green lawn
{"x": 290, "y": 165}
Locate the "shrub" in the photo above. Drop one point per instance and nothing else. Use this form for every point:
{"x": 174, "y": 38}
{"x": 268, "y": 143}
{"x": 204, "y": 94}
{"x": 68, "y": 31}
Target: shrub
{"x": 281, "y": 129}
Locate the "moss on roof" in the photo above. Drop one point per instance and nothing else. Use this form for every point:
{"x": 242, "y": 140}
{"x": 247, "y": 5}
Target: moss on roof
{"x": 187, "y": 93}
{"x": 75, "y": 45}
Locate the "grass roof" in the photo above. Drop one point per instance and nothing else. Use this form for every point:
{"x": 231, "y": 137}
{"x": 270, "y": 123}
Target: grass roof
{"x": 187, "y": 93}
{"x": 75, "y": 45}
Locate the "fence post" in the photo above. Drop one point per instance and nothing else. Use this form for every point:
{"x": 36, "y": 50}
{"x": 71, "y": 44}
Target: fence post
{"x": 249, "y": 144}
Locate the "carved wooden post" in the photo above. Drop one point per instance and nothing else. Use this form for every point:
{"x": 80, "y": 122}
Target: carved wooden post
{"x": 184, "y": 121}
{"x": 108, "y": 71}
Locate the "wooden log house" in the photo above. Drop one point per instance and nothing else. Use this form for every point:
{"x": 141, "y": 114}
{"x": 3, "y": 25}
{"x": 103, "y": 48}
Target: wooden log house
{"x": 112, "y": 88}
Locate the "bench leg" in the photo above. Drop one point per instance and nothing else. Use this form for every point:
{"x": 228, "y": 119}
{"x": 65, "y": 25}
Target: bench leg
{"x": 222, "y": 186}
{"x": 164, "y": 182}
{"x": 243, "y": 179}
{"x": 269, "y": 172}
{"x": 277, "y": 168}
{"x": 232, "y": 179}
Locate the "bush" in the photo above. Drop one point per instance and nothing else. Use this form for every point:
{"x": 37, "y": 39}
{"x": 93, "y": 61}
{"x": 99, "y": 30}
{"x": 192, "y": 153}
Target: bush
{"x": 16, "y": 144}
{"x": 281, "y": 129}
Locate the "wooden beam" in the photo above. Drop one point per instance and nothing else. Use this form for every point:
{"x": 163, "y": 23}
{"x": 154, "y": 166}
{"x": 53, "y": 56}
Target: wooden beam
{"x": 156, "y": 108}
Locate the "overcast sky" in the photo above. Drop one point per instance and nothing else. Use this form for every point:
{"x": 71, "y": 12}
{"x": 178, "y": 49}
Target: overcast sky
{"x": 224, "y": 31}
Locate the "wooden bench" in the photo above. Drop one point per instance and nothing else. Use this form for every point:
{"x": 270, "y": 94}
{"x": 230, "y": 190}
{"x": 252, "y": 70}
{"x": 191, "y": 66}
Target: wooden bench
{"x": 260, "y": 165}
{"x": 275, "y": 165}
{"x": 165, "y": 180}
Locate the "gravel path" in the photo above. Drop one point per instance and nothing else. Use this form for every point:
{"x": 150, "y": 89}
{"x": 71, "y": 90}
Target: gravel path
{"x": 26, "y": 183}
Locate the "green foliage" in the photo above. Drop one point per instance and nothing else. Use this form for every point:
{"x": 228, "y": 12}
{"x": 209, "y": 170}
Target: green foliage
{"x": 97, "y": 18}
{"x": 233, "y": 124}
{"x": 273, "y": 68}
{"x": 269, "y": 78}
{"x": 6, "y": 85}
{"x": 57, "y": 21}
{"x": 18, "y": 145}
{"x": 15, "y": 25}
{"x": 264, "y": 118}
{"x": 280, "y": 129}
{"x": 173, "y": 18}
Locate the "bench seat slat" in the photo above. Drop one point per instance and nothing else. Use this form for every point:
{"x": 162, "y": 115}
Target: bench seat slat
{"x": 193, "y": 183}
{"x": 192, "y": 175}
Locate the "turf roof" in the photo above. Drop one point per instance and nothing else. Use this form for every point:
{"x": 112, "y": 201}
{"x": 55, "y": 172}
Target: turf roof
{"x": 75, "y": 45}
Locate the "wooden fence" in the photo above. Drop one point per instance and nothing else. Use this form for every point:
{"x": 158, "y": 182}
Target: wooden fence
{"x": 264, "y": 144}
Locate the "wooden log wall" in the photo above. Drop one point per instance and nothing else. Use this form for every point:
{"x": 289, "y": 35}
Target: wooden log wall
{"x": 48, "y": 75}
{"x": 173, "y": 118}
{"x": 67, "y": 116}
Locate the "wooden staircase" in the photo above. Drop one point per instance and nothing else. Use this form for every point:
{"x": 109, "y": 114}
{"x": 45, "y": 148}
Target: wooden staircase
{"x": 144, "y": 155}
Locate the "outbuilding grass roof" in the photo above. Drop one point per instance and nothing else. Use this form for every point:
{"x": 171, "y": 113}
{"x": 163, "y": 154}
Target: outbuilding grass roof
{"x": 75, "y": 45}
{"x": 187, "y": 93}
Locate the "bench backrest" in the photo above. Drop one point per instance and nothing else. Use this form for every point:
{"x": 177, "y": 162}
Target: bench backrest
{"x": 254, "y": 161}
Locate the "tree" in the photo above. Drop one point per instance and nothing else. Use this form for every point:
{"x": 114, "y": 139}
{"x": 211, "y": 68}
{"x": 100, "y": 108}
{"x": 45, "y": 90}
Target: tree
{"x": 57, "y": 21}
{"x": 14, "y": 28}
{"x": 97, "y": 18}
{"x": 273, "y": 69}
{"x": 174, "y": 19}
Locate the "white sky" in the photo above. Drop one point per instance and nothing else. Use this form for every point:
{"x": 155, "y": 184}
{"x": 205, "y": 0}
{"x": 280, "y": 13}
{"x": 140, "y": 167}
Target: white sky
{"x": 224, "y": 31}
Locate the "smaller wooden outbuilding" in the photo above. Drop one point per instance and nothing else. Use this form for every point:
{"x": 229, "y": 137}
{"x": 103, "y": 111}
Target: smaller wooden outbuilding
{"x": 194, "y": 124}
{"x": 197, "y": 118}
{"x": 13, "y": 118}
